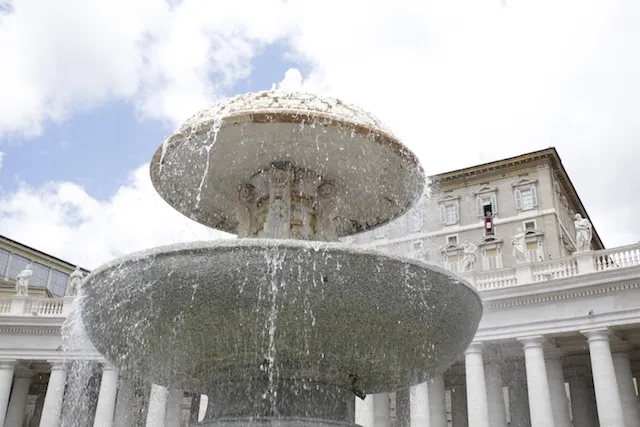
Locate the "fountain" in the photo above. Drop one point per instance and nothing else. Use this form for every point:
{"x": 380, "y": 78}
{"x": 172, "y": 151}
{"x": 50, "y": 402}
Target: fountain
{"x": 285, "y": 325}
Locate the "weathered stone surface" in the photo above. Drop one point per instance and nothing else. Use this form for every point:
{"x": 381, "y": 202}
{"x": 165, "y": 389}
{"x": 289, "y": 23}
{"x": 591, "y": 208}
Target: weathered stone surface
{"x": 199, "y": 315}
{"x": 199, "y": 169}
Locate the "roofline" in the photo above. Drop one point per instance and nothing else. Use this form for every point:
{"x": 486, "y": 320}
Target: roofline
{"x": 42, "y": 254}
{"x": 551, "y": 154}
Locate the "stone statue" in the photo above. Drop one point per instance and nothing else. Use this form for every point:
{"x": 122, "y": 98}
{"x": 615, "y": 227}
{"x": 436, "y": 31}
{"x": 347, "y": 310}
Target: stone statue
{"x": 584, "y": 233}
{"x": 519, "y": 246}
{"x": 75, "y": 282}
{"x": 22, "y": 281}
{"x": 468, "y": 255}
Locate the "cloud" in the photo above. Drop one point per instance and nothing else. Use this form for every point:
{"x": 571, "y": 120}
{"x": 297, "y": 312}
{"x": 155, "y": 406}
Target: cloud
{"x": 1, "y": 158}
{"x": 62, "y": 219}
{"x": 169, "y": 58}
{"x": 464, "y": 82}
{"x": 459, "y": 81}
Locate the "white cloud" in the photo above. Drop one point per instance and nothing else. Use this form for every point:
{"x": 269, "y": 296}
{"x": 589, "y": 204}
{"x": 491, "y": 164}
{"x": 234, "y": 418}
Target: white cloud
{"x": 1, "y": 158}
{"x": 62, "y": 219}
{"x": 61, "y": 57}
{"x": 460, "y": 81}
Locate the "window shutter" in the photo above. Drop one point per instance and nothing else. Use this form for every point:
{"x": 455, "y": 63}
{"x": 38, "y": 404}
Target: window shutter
{"x": 534, "y": 195}
{"x": 443, "y": 214}
{"x": 518, "y": 199}
{"x": 457, "y": 211}
{"x": 494, "y": 204}
{"x": 479, "y": 206}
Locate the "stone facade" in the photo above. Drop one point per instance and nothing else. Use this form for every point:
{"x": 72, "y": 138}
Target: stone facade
{"x": 531, "y": 192}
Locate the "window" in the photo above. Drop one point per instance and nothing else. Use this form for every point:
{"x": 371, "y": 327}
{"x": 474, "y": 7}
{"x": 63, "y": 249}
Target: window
{"x": 533, "y": 252}
{"x": 4, "y": 260}
{"x": 526, "y": 198}
{"x": 17, "y": 264}
{"x": 490, "y": 261}
{"x": 415, "y": 219}
{"x": 486, "y": 205}
{"x": 40, "y": 275}
{"x": 525, "y": 193}
{"x": 452, "y": 239}
{"x": 529, "y": 225}
{"x": 452, "y": 262}
{"x": 449, "y": 213}
{"x": 58, "y": 283}
{"x": 491, "y": 251}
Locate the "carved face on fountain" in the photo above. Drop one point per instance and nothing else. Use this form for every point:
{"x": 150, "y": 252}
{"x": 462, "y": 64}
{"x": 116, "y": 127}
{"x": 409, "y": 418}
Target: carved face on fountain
{"x": 277, "y": 327}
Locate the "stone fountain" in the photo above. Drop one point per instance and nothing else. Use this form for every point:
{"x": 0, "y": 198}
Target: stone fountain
{"x": 285, "y": 325}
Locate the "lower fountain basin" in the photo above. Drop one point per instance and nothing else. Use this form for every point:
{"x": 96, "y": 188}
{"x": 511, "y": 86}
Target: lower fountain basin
{"x": 201, "y": 315}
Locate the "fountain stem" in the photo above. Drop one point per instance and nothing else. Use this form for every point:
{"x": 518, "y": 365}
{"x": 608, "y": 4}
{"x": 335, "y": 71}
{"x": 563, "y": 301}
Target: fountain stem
{"x": 287, "y": 202}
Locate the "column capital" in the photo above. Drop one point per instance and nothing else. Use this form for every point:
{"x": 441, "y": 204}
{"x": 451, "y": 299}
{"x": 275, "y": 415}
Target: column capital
{"x": 23, "y": 372}
{"x": 474, "y": 348}
{"x": 108, "y": 366}
{"x": 599, "y": 334}
{"x": 8, "y": 364}
{"x": 57, "y": 365}
{"x": 533, "y": 341}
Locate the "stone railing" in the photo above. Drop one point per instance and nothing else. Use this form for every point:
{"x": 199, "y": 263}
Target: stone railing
{"x": 577, "y": 264}
{"x": 35, "y": 306}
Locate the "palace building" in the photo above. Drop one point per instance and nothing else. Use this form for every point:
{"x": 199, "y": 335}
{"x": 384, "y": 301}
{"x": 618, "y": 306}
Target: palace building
{"x": 558, "y": 344}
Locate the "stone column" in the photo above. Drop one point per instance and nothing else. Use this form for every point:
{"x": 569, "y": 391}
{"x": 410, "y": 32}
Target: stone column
{"x": 194, "y": 412}
{"x": 381, "y": 410}
{"x": 105, "y": 410}
{"x": 52, "y": 408}
{"x": 558, "y": 393}
{"x": 419, "y": 406}
{"x": 477, "y": 405}
{"x": 518, "y": 397}
{"x": 459, "y": 406}
{"x": 604, "y": 379}
{"x": 537, "y": 382}
{"x": 580, "y": 399}
{"x": 403, "y": 407}
{"x": 628, "y": 398}
{"x": 364, "y": 411}
{"x": 19, "y": 394}
{"x": 437, "y": 402}
{"x": 125, "y": 404}
{"x": 495, "y": 395}
{"x": 174, "y": 408}
{"x": 157, "y": 406}
{"x": 6, "y": 379}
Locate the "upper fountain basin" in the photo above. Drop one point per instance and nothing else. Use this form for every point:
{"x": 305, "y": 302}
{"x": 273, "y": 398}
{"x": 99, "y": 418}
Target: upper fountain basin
{"x": 196, "y": 315}
{"x": 199, "y": 169}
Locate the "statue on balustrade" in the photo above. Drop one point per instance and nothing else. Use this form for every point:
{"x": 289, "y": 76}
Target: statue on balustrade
{"x": 22, "y": 281}
{"x": 584, "y": 233}
{"x": 75, "y": 282}
{"x": 468, "y": 255}
{"x": 519, "y": 246}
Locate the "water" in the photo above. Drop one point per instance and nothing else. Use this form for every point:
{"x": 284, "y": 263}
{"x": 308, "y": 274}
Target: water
{"x": 83, "y": 378}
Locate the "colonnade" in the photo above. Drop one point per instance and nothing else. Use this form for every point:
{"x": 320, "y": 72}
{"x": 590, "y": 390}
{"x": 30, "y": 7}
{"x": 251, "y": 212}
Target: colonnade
{"x": 493, "y": 392}
{"x": 530, "y": 392}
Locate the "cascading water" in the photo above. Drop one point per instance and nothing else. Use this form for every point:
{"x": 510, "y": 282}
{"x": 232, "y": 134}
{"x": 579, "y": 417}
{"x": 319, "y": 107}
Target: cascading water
{"x": 283, "y": 326}
{"x": 80, "y": 396}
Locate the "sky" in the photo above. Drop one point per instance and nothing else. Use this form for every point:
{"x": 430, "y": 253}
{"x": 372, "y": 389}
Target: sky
{"x": 90, "y": 88}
